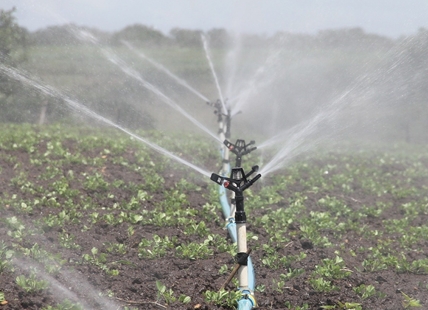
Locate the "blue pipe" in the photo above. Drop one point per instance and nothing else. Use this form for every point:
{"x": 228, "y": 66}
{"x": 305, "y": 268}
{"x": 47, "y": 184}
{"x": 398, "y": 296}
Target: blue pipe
{"x": 244, "y": 304}
{"x": 251, "y": 275}
{"x": 223, "y": 201}
{"x": 247, "y": 301}
{"x": 231, "y": 227}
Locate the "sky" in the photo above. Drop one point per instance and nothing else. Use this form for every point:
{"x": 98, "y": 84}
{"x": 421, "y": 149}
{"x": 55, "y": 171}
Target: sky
{"x": 391, "y": 18}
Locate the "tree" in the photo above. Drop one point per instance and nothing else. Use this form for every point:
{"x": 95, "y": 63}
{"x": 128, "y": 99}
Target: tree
{"x": 186, "y": 38}
{"x": 12, "y": 48}
{"x": 218, "y": 37}
{"x": 140, "y": 34}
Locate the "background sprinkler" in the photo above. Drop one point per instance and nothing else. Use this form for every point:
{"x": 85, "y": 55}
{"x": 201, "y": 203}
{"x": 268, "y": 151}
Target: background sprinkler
{"x": 224, "y": 125}
{"x": 238, "y": 182}
{"x": 239, "y": 149}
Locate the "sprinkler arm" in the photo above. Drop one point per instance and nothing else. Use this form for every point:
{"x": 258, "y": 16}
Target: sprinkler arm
{"x": 235, "y": 184}
{"x": 218, "y": 108}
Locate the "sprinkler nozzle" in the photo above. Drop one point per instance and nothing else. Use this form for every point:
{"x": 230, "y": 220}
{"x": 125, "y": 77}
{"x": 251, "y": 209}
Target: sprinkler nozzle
{"x": 216, "y": 178}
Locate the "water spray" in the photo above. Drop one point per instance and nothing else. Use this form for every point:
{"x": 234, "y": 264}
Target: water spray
{"x": 111, "y": 56}
{"x": 207, "y": 54}
{"x": 166, "y": 70}
{"x": 82, "y": 109}
{"x": 238, "y": 182}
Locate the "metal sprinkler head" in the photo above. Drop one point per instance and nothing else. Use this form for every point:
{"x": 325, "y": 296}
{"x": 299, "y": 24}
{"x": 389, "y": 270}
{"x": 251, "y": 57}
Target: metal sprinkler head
{"x": 238, "y": 180}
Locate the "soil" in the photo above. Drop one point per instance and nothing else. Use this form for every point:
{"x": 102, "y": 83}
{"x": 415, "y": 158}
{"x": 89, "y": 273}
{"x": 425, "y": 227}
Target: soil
{"x": 135, "y": 286}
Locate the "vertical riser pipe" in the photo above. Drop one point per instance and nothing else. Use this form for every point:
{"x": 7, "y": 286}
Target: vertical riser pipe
{"x": 242, "y": 248}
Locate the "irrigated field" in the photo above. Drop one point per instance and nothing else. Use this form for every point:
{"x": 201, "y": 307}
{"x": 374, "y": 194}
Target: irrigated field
{"x": 93, "y": 220}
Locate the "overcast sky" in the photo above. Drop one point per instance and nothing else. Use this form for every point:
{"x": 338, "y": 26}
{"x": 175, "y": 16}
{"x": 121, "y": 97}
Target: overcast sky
{"x": 386, "y": 17}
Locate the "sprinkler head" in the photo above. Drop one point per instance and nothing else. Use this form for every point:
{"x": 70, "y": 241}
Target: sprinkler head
{"x": 238, "y": 181}
{"x": 239, "y": 148}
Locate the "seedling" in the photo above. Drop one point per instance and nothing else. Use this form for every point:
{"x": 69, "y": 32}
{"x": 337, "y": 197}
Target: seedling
{"x": 410, "y": 302}
{"x": 194, "y": 250}
{"x": 65, "y": 305}
{"x": 332, "y": 269}
{"x": 365, "y": 291}
{"x": 30, "y": 284}
{"x": 322, "y": 285}
{"x": 223, "y": 298}
{"x": 3, "y": 300}
{"x": 168, "y": 295}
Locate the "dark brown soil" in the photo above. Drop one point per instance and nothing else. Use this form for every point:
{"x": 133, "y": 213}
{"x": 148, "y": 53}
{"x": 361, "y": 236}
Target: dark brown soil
{"x": 135, "y": 286}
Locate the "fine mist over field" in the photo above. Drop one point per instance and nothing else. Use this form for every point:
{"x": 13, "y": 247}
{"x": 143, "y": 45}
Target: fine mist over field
{"x": 371, "y": 86}
{"x": 122, "y": 186}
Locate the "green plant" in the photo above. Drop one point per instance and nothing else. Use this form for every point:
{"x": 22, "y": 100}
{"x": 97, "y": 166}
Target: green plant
{"x": 118, "y": 248}
{"x": 290, "y": 306}
{"x": 365, "y": 291}
{"x": 168, "y": 294}
{"x": 222, "y": 298}
{"x": 410, "y": 302}
{"x": 194, "y": 250}
{"x": 344, "y": 306}
{"x": 67, "y": 241}
{"x": 332, "y": 268}
{"x": 199, "y": 229}
{"x": 223, "y": 269}
{"x": 322, "y": 285}
{"x": 5, "y": 255}
{"x": 157, "y": 247}
{"x": 2, "y": 299}
{"x": 30, "y": 284}
{"x": 65, "y": 305}
{"x": 260, "y": 288}
{"x": 99, "y": 261}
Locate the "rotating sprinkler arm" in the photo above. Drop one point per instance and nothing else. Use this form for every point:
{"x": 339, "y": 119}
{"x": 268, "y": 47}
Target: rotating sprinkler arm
{"x": 219, "y": 111}
{"x": 238, "y": 181}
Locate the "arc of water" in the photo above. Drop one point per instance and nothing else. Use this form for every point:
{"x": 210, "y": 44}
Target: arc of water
{"x": 116, "y": 60}
{"x": 164, "y": 69}
{"x": 232, "y": 64}
{"x": 76, "y": 106}
{"x": 299, "y": 133}
{"x": 256, "y": 82}
{"x": 80, "y": 285}
{"x": 217, "y": 84}
{"x": 330, "y": 111}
